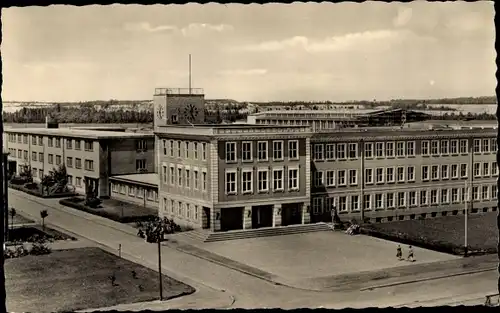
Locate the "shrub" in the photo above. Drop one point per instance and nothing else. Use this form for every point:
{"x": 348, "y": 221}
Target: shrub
{"x": 93, "y": 202}
{"x": 40, "y": 247}
{"x": 18, "y": 252}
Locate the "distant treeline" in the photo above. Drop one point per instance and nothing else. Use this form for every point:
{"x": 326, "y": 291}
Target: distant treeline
{"x": 469, "y": 116}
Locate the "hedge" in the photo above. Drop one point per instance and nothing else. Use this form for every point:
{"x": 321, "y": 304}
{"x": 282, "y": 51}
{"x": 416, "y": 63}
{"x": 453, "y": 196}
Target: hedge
{"x": 425, "y": 243}
{"x": 77, "y": 203}
{"x": 37, "y": 193}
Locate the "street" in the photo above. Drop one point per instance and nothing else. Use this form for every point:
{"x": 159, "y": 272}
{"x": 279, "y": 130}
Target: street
{"x": 218, "y": 286}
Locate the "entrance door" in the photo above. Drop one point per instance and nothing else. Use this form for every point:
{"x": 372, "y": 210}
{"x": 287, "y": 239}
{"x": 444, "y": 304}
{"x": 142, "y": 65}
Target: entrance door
{"x": 231, "y": 219}
{"x": 291, "y": 214}
{"x": 262, "y": 216}
{"x": 206, "y": 218}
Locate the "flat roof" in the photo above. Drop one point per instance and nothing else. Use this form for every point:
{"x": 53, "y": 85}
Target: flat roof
{"x": 78, "y": 133}
{"x": 144, "y": 179}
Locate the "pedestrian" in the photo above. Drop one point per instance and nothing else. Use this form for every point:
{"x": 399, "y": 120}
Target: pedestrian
{"x": 399, "y": 253}
{"x": 410, "y": 254}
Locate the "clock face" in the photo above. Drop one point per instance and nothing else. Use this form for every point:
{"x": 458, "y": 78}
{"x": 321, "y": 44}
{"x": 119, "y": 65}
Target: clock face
{"x": 190, "y": 112}
{"x": 160, "y": 111}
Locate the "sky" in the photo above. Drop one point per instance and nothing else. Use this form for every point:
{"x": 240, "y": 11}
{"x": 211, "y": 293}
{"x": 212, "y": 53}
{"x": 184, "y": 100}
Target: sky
{"x": 274, "y": 52}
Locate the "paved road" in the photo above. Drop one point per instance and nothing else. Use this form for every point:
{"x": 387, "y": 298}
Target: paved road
{"x": 219, "y": 287}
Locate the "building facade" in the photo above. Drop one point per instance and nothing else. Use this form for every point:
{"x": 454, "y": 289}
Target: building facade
{"x": 90, "y": 156}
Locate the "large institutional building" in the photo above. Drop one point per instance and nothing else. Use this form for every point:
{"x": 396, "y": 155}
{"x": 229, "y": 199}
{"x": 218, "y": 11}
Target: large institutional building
{"x": 281, "y": 168}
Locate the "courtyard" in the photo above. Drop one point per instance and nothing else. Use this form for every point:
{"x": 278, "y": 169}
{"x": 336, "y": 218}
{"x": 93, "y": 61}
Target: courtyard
{"x": 319, "y": 254}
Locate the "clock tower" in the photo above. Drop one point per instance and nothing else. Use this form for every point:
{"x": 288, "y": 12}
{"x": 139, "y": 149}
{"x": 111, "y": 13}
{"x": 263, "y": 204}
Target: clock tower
{"x": 178, "y": 106}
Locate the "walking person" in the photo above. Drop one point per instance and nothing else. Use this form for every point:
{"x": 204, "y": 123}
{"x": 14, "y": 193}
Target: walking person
{"x": 410, "y": 254}
{"x": 399, "y": 253}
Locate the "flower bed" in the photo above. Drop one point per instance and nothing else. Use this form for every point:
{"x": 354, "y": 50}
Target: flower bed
{"x": 36, "y": 192}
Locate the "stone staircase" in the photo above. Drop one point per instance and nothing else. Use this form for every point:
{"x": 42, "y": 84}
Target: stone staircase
{"x": 202, "y": 235}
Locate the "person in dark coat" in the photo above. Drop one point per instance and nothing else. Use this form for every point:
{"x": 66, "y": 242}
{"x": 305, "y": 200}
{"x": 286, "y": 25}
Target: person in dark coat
{"x": 399, "y": 253}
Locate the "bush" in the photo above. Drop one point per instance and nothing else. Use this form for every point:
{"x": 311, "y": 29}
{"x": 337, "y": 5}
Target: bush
{"x": 93, "y": 202}
{"x": 31, "y": 186}
{"x": 18, "y": 252}
{"x": 40, "y": 247}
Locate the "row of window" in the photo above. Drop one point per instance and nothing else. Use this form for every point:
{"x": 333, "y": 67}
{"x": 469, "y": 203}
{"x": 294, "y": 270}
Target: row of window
{"x": 266, "y": 179}
{"x": 404, "y": 199}
{"x": 184, "y": 176}
{"x": 51, "y": 141}
{"x": 135, "y": 192}
{"x": 181, "y": 209}
{"x": 185, "y": 149}
{"x": 343, "y": 151}
{"x": 401, "y": 174}
{"x": 262, "y": 151}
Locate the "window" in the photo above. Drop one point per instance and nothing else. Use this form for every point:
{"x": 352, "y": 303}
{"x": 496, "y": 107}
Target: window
{"x": 412, "y": 198}
{"x": 445, "y": 171}
{"x": 494, "y": 191}
{"x": 196, "y": 213}
{"x": 262, "y": 150}
{"x": 400, "y": 150}
{"x": 186, "y": 149}
{"x": 34, "y": 172}
{"x": 246, "y": 181}
{"x": 353, "y": 150}
{"x": 341, "y": 151}
{"x": 195, "y": 149}
{"x": 454, "y": 147}
{"x": 317, "y": 205}
{"x": 330, "y": 178}
{"x": 435, "y": 172}
{"x": 494, "y": 146}
{"x": 444, "y": 147}
{"x": 477, "y": 145}
{"x": 424, "y": 148}
{"x": 58, "y": 142}
{"x": 486, "y": 169}
{"x": 410, "y": 173}
{"x": 354, "y": 202}
{"x": 353, "y": 177}
{"x": 367, "y": 202}
{"x": 423, "y": 197}
{"x": 444, "y": 196}
{"x": 196, "y": 179}
{"x": 341, "y": 179}
{"x": 164, "y": 172}
{"x": 171, "y": 148}
{"x": 475, "y": 193}
{"x": 389, "y": 149}
{"x": 486, "y": 145}
{"x": 485, "y": 193}
{"x": 277, "y": 150}
{"x": 188, "y": 178}
{"x": 464, "y": 146}
{"x": 25, "y": 153}
{"x": 318, "y": 151}
{"x": 131, "y": 191}
{"x": 342, "y": 203}
{"x": 204, "y": 181}
{"x": 278, "y": 179}
{"x": 379, "y": 175}
{"x": 330, "y": 151}
{"x": 401, "y": 174}
{"x": 263, "y": 180}
{"x": 230, "y": 182}
{"x": 78, "y": 183}
{"x": 425, "y": 172}
{"x": 293, "y": 149}
{"x": 434, "y": 198}
{"x": 477, "y": 169}
{"x": 293, "y": 179}
{"x": 33, "y": 140}
{"x": 368, "y": 175}
{"x": 230, "y": 151}
{"x": 434, "y": 147}
{"x": 401, "y": 199}
{"x": 329, "y": 204}
{"x": 379, "y": 149}
{"x": 140, "y": 165}
{"x": 78, "y": 144}
{"x": 318, "y": 179}
{"x": 410, "y": 148}
{"x": 246, "y": 151}
{"x": 179, "y": 149}
{"x": 179, "y": 177}
{"x": 40, "y": 140}
{"x": 454, "y": 171}
{"x": 33, "y": 156}
{"x": 390, "y": 175}
{"x": 89, "y": 165}
{"x": 368, "y": 150}
{"x": 19, "y": 153}
{"x": 463, "y": 170}
{"x": 390, "y": 200}
{"x": 58, "y": 160}
{"x": 204, "y": 151}
{"x": 50, "y": 142}
{"x": 494, "y": 169}
{"x": 172, "y": 175}
{"x": 379, "y": 201}
{"x": 172, "y": 206}
{"x": 89, "y": 145}
{"x": 454, "y": 195}
{"x": 51, "y": 159}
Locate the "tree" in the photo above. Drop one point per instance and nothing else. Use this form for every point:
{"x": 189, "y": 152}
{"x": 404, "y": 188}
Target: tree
{"x": 43, "y": 215}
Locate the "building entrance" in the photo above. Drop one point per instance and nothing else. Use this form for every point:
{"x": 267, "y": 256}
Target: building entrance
{"x": 205, "y": 218}
{"x": 262, "y": 216}
{"x": 231, "y": 219}
{"x": 291, "y": 214}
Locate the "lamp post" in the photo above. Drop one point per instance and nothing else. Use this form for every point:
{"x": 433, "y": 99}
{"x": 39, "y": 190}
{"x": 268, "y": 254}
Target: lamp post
{"x": 466, "y": 218}
{"x": 158, "y": 239}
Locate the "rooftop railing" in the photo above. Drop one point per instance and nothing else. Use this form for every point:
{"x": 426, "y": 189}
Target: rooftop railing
{"x": 178, "y": 91}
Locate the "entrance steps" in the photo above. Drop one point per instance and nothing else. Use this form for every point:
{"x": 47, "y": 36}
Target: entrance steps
{"x": 201, "y": 235}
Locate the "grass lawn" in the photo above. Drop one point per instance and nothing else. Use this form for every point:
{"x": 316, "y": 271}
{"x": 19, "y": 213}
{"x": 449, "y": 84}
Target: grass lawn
{"x": 446, "y": 234}
{"x": 77, "y": 279}
{"x": 19, "y": 219}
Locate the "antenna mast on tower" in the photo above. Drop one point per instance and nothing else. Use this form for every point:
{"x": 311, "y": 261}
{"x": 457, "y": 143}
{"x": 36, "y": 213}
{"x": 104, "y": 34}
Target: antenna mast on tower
{"x": 189, "y": 73}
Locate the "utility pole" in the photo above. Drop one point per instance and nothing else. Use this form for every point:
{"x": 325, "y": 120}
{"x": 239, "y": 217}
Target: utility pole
{"x": 159, "y": 264}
